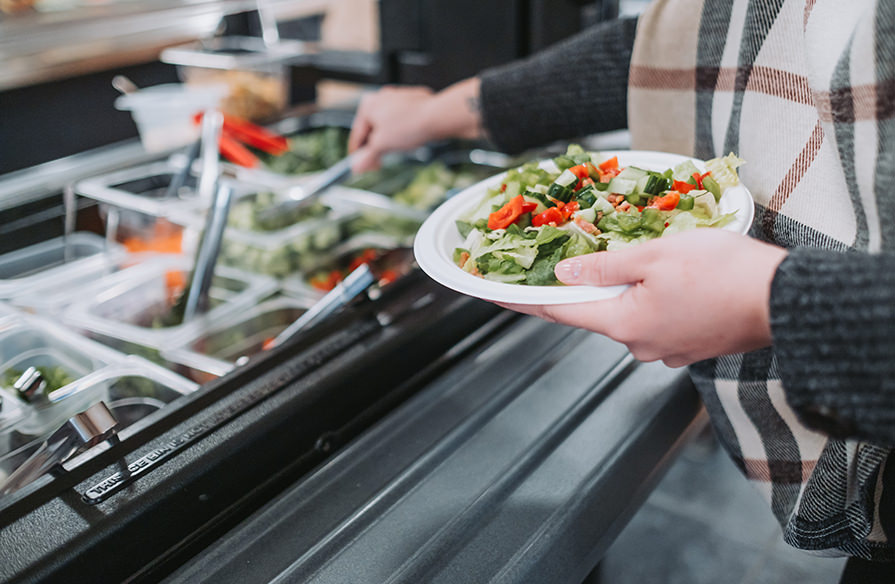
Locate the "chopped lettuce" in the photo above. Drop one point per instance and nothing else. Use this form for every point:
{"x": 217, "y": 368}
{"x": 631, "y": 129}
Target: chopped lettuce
{"x": 567, "y": 216}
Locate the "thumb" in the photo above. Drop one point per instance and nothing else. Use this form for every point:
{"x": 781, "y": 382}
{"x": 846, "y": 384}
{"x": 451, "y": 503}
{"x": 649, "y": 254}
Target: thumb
{"x": 604, "y": 268}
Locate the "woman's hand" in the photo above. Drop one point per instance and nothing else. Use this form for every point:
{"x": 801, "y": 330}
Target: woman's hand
{"x": 403, "y": 118}
{"x": 693, "y": 296}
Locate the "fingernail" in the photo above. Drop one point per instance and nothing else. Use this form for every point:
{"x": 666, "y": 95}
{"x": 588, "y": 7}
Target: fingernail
{"x": 569, "y": 271}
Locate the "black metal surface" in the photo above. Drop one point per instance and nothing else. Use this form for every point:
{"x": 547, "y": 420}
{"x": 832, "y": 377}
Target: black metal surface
{"x": 437, "y": 43}
{"x": 521, "y": 464}
{"x": 289, "y": 411}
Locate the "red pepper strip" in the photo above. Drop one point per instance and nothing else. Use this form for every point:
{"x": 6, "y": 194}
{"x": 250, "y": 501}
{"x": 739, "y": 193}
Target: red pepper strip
{"x": 506, "y": 215}
{"x": 611, "y": 164}
{"x": 236, "y": 152}
{"x": 699, "y": 178}
{"x": 666, "y": 202}
{"x": 552, "y": 215}
{"x": 683, "y": 187}
{"x": 528, "y": 207}
{"x": 255, "y": 136}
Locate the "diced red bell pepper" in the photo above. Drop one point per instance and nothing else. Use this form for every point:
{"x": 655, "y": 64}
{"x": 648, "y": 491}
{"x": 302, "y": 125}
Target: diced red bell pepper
{"x": 569, "y": 208}
{"x": 611, "y": 164}
{"x": 552, "y": 215}
{"x": 580, "y": 171}
{"x": 666, "y": 202}
{"x": 682, "y": 187}
{"x": 506, "y": 215}
{"x": 699, "y": 178}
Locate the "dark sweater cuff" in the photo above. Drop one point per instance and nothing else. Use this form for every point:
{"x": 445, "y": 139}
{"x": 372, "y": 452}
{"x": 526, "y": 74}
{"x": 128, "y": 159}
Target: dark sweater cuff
{"x": 575, "y": 88}
{"x": 833, "y": 324}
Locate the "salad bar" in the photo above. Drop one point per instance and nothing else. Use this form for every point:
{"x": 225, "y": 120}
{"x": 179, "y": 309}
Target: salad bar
{"x": 367, "y": 422}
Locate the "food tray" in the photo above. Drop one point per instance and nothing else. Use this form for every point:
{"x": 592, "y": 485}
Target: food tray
{"x": 143, "y": 188}
{"x": 293, "y": 248}
{"x": 337, "y": 259}
{"x": 132, "y": 388}
{"x": 316, "y": 142}
{"x": 53, "y": 263}
{"x": 375, "y": 213}
{"x": 132, "y": 304}
{"x": 256, "y": 73}
{"x": 53, "y": 300}
{"x": 234, "y": 341}
{"x": 28, "y": 341}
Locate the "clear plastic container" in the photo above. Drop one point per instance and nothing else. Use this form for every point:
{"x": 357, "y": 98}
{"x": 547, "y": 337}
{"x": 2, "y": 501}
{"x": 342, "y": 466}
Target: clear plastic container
{"x": 62, "y": 357}
{"x": 337, "y": 263}
{"x": 54, "y": 263}
{"x": 375, "y": 213}
{"x": 424, "y": 184}
{"x": 143, "y": 188}
{"x": 53, "y": 300}
{"x": 133, "y": 389}
{"x": 289, "y": 249}
{"x": 138, "y": 305}
{"x": 232, "y": 342}
{"x": 255, "y": 74}
{"x": 164, "y": 113}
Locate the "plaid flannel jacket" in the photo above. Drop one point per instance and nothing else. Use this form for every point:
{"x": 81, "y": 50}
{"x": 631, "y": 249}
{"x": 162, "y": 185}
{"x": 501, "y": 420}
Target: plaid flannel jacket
{"x": 804, "y": 91}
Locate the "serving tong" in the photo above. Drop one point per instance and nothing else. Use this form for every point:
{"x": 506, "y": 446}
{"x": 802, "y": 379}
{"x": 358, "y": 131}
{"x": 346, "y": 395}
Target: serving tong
{"x": 301, "y": 195}
{"x": 363, "y": 278}
{"x": 82, "y": 431}
{"x": 219, "y": 195}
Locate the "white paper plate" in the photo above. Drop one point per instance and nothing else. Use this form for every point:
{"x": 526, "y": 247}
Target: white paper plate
{"x": 438, "y": 237}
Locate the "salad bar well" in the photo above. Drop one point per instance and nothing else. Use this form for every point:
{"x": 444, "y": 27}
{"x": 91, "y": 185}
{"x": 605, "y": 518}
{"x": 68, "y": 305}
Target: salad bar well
{"x": 359, "y": 422}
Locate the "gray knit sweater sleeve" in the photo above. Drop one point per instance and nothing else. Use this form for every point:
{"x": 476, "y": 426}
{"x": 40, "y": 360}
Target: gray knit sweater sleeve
{"x": 833, "y": 323}
{"x": 574, "y": 88}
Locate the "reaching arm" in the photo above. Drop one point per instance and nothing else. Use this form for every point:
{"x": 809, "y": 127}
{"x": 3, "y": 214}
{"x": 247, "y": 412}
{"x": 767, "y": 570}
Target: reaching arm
{"x": 574, "y": 88}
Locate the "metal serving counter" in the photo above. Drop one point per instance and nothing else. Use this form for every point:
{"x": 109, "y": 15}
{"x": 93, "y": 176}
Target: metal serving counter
{"x": 514, "y": 451}
{"x": 520, "y": 464}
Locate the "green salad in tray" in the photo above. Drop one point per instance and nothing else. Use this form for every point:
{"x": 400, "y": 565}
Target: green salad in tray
{"x": 535, "y": 217}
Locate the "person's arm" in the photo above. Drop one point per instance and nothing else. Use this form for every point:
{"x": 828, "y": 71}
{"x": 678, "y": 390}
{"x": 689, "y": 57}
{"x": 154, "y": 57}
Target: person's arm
{"x": 574, "y": 88}
{"x": 403, "y": 118}
{"x": 833, "y": 324}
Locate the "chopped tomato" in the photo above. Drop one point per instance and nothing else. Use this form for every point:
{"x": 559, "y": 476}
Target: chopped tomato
{"x": 666, "y": 202}
{"x": 683, "y": 187}
{"x": 552, "y": 215}
{"x": 506, "y": 215}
